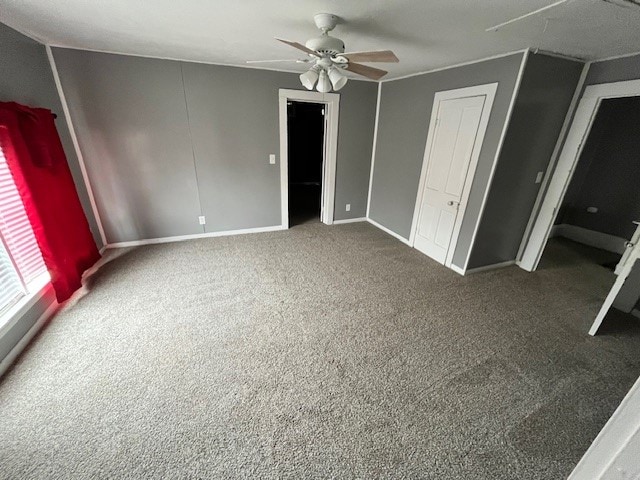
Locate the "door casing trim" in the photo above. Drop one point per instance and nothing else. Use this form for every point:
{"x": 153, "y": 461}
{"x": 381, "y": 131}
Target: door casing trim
{"x": 331, "y": 102}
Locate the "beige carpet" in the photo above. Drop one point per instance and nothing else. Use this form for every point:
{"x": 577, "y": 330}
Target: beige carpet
{"x": 318, "y": 352}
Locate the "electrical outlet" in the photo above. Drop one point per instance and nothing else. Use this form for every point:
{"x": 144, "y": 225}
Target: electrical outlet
{"x": 272, "y": 159}
{"x": 539, "y": 177}
{"x": 202, "y": 220}
{"x": 348, "y": 207}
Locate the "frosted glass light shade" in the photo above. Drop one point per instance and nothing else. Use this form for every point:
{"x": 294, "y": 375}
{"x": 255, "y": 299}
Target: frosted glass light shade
{"x": 338, "y": 79}
{"x": 324, "y": 84}
{"x": 309, "y": 79}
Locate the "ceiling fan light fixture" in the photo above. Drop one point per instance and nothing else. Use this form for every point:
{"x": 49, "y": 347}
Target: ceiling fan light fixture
{"x": 338, "y": 79}
{"x": 328, "y": 56}
{"x": 324, "y": 84}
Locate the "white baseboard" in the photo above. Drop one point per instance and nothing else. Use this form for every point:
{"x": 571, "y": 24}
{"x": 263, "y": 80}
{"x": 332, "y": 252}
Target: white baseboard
{"x": 24, "y": 341}
{"x": 604, "y": 241}
{"x": 453, "y": 267}
{"x": 390, "y": 232}
{"x": 181, "y": 238}
{"x": 350, "y": 220}
{"x": 494, "y": 266}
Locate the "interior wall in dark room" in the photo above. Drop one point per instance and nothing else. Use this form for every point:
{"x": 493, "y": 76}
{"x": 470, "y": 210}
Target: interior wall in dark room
{"x": 608, "y": 172}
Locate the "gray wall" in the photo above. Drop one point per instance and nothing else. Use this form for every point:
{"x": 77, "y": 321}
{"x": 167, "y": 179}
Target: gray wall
{"x": 608, "y": 172}
{"x": 543, "y": 100}
{"x": 597, "y": 132}
{"x": 405, "y": 109}
{"x": 167, "y": 141}
{"x": 618, "y": 70}
{"x": 131, "y": 120}
{"x": 355, "y": 143}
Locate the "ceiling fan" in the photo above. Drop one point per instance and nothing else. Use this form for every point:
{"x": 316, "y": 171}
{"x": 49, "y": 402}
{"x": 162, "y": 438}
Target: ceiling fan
{"x": 329, "y": 58}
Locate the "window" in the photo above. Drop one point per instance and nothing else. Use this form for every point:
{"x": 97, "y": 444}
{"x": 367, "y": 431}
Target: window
{"x": 21, "y": 265}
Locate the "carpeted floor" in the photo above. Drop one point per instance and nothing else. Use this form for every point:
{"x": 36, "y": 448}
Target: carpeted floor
{"x": 318, "y": 352}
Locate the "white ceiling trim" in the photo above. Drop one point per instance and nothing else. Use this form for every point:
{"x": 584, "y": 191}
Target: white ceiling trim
{"x": 471, "y": 62}
{"x": 616, "y": 57}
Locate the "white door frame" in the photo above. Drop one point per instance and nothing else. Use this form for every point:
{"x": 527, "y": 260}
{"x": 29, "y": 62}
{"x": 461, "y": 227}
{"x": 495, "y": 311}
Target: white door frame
{"x": 331, "y": 102}
{"x": 576, "y": 138}
{"x": 489, "y": 90}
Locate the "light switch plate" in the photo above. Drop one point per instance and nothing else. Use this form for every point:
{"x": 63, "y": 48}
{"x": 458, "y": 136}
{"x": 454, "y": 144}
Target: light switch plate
{"x": 272, "y": 159}
{"x": 539, "y": 177}
{"x": 202, "y": 220}
{"x": 348, "y": 207}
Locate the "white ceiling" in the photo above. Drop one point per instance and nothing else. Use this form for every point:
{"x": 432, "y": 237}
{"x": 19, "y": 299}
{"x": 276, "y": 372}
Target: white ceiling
{"x": 425, "y": 34}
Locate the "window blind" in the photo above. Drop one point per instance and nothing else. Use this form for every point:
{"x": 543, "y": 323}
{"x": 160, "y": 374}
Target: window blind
{"x": 16, "y": 230}
{"x": 11, "y": 289}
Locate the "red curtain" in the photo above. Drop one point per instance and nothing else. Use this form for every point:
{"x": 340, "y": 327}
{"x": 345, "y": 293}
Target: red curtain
{"x": 36, "y": 159}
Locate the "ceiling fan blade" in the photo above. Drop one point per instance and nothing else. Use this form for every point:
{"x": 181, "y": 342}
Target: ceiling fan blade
{"x": 283, "y": 60}
{"x": 366, "y": 71}
{"x": 386, "y": 56}
{"x": 299, "y": 46}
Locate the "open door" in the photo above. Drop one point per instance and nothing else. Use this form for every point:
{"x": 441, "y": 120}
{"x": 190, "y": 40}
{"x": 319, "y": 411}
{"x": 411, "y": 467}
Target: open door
{"x": 629, "y": 248}
{"x": 632, "y": 254}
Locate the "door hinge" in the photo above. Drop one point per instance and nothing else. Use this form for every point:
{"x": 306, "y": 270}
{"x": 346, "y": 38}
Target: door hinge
{"x": 323, "y": 111}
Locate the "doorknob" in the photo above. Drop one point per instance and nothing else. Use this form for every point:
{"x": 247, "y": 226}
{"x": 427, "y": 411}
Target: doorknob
{"x": 451, "y": 203}
{"x": 629, "y": 244}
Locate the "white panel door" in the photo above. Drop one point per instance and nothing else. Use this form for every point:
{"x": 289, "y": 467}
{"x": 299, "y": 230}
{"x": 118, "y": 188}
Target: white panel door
{"x": 455, "y": 135}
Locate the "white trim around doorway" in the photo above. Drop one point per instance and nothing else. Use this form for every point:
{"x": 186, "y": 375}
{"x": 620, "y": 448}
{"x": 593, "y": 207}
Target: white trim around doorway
{"x": 574, "y": 143}
{"x": 331, "y": 102}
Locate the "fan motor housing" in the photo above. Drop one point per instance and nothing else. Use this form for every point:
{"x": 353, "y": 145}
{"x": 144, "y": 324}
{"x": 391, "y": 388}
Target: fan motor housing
{"x": 325, "y": 21}
{"x": 326, "y": 44}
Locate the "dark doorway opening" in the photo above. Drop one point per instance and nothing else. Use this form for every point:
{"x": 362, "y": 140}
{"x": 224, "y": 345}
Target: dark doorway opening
{"x": 305, "y": 132}
{"x": 603, "y": 198}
